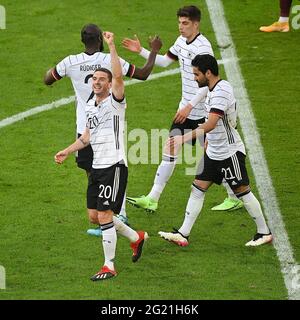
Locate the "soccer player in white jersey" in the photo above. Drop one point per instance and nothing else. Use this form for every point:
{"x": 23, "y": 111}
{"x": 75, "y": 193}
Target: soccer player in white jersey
{"x": 105, "y": 117}
{"x": 224, "y": 157}
{"x": 191, "y": 111}
{"x": 80, "y": 68}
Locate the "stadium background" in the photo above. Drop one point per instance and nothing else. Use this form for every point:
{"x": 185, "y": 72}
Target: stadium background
{"x": 43, "y": 244}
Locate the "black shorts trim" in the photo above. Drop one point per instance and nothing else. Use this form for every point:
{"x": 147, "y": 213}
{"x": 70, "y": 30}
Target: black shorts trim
{"x": 232, "y": 169}
{"x": 106, "y": 188}
{"x": 179, "y": 129}
{"x": 84, "y": 157}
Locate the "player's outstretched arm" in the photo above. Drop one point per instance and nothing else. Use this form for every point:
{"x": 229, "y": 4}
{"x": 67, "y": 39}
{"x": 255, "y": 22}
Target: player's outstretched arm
{"x": 134, "y": 45}
{"x": 144, "y": 72}
{"x": 118, "y": 87}
{"x": 79, "y": 144}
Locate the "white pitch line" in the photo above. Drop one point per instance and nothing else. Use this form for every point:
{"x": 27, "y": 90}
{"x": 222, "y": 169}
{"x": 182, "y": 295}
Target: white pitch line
{"x": 289, "y": 267}
{"x": 64, "y": 101}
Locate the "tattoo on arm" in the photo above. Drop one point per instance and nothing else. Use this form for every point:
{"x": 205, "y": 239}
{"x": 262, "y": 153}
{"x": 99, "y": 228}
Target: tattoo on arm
{"x": 83, "y": 142}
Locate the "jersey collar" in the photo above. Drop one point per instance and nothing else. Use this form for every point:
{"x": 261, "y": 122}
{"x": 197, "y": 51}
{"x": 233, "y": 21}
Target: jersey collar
{"x": 215, "y": 85}
{"x": 193, "y": 39}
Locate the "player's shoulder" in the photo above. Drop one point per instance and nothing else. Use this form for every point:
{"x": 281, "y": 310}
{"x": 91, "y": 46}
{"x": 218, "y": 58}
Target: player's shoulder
{"x": 202, "y": 42}
{"x": 223, "y": 89}
{"x": 180, "y": 40}
{"x": 83, "y": 57}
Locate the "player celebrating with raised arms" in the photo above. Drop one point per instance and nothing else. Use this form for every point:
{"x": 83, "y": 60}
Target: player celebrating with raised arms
{"x": 105, "y": 114}
{"x": 80, "y": 68}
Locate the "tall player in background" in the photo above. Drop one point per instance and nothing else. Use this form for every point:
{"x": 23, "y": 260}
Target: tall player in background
{"x": 80, "y": 68}
{"x": 224, "y": 157}
{"x": 191, "y": 107}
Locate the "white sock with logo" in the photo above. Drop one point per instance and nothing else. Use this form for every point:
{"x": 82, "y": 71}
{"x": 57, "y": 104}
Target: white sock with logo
{"x": 109, "y": 243}
{"x": 163, "y": 174}
{"x": 253, "y": 207}
{"x": 192, "y": 211}
{"x": 125, "y": 230}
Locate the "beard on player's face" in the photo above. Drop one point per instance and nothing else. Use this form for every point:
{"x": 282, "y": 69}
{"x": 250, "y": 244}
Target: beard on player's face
{"x": 202, "y": 82}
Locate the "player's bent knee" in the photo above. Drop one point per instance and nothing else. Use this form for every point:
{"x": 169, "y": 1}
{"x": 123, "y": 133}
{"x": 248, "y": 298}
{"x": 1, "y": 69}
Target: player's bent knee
{"x": 201, "y": 185}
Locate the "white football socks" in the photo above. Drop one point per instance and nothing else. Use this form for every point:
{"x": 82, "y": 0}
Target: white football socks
{"x": 125, "y": 230}
{"x": 109, "y": 243}
{"x": 163, "y": 174}
{"x": 192, "y": 211}
{"x": 283, "y": 19}
{"x": 123, "y": 208}
{"x": 253, "y": 207}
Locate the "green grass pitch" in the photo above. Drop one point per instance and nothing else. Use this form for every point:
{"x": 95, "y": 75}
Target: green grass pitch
{"x": 43, "y": 242}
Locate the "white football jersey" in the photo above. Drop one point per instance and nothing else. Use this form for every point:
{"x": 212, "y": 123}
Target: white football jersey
{"x": 106, "y": 123}
{"x": 185, "y": 52}
{"x": 224, "y": 140}
{"x": 80, "y": 68}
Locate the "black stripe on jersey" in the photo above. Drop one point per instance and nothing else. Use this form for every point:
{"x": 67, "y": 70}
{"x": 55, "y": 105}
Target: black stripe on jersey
{"x": 228, "y": 130}
{"x": 193, "y": 94}
{"x": 130, "y": 71}
{"x": 172, "y": 55}
{"x": 91, "y": 96}
{"x": 187, "y": 85}
{"x": 56, "y": 75}
{"x": 215, "y": 85}
{"x": 214, "y": 97}
{"x": 221, "y": 89}
{"x": 201, "y": 45}
{"x": 189, "y": 79}
{"x": 116, "y": 131}
{"x": 217, "y": 111}
{"x": 193, "y": 39}
{"x": 117, "y": 100}
{"x": 188, "y": 72}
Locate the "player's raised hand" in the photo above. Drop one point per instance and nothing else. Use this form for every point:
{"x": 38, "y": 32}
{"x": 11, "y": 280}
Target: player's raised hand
{"x": 132, "y": 45}
{"x": 60, "y": 157}
{"x": 155, "y": 43}
{"x": 108, "y": 37}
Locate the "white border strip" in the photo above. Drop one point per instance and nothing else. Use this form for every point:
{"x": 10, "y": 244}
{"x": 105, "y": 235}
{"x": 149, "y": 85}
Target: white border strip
{"x": 289, "y": 267}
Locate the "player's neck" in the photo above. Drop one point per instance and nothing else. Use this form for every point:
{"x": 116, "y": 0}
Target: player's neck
{"x": 91, "y": 51}
{"x": 101, "y": 97}
{"x": 212, "y": 82}
{"x": 192, "y": 37}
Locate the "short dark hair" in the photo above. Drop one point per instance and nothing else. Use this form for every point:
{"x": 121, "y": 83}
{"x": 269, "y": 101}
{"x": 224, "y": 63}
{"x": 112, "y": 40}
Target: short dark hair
{"x": 91, "y": 34}
{"x": 106, "y": 71}
{"x": 191, "y": 12}
{"x": 206, "y": 62}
